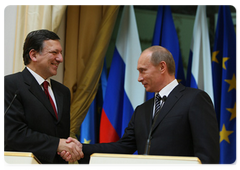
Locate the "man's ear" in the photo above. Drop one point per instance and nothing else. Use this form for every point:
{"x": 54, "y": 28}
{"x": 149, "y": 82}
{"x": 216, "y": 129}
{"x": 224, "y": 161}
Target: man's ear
{"x": 162, "y": 66}
{"x": 33, "y": 54}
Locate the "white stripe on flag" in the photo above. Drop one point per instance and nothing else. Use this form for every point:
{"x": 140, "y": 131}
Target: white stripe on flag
{"x": 129, "y": 48}
{"x": 201, "y": 60}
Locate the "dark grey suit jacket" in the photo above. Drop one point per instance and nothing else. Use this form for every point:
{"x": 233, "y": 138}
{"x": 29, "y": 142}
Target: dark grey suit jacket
{"x": 186, "y": 126}
{"x": 30, "y": 123}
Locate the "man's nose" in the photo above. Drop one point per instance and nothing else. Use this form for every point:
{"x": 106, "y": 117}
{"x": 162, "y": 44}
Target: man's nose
{"x": 140, "y": 78}
{"x": 59, "y": 58}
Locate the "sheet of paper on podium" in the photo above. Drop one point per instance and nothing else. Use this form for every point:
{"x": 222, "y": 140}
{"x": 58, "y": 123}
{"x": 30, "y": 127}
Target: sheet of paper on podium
{"x": 20, "y": 158}
{"x": 98, "y": 158}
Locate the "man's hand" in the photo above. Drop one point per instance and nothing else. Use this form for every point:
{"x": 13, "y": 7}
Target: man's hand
{"x": 70, "y": 149}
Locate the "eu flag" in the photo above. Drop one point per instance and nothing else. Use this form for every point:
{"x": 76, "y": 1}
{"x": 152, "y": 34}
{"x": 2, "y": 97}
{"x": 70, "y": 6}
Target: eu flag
{"x": 89, "y": 130}
{"x": 165, "y": 35}
{"x": 224, "y": 82}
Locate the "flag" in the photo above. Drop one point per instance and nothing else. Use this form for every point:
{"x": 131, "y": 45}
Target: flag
{"x": 89, "y": 130}
{"x": 224, "y": 81}
{"x": 165, "y": 35}
{"x": 199, "y": 64}
{"x": 123, "y": 91}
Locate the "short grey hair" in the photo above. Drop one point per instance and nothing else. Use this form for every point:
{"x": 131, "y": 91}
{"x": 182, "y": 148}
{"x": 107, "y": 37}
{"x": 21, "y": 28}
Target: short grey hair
{"x": 162, "y": 54}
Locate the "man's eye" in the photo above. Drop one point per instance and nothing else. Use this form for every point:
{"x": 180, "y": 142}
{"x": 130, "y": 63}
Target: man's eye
{"x": 53, "y": 52}
{"x": 141, "y": 70}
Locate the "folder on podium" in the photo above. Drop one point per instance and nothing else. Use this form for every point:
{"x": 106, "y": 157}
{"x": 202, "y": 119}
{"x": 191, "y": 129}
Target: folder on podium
{"x": 20, "y": 158}
{"x": 98, "y": 158}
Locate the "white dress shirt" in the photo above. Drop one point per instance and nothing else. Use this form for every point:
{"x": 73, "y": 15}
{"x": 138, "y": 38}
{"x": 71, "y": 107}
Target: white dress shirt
{"x": 40, "y": 80}
{"x": 165, "y": 91}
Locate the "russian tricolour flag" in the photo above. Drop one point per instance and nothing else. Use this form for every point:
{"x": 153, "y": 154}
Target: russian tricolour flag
{"x": 123, "y": 91}
{"x": 199, "y": 64}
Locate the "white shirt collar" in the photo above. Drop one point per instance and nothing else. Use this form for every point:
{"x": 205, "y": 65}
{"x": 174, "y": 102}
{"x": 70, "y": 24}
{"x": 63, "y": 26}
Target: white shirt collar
{"x": 39, "y": 79}
{"x": 168, "y": 88}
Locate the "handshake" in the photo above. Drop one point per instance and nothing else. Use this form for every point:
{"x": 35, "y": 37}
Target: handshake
{"x": 70, "y": 149}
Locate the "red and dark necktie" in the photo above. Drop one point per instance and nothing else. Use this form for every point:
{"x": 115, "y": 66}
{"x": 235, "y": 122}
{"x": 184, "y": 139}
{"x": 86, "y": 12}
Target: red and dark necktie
{"x": 45, "y": 87}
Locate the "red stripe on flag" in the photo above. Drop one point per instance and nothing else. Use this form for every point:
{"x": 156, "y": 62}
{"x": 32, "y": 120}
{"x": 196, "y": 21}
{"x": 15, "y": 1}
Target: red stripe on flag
{"x": 107, "y": 131}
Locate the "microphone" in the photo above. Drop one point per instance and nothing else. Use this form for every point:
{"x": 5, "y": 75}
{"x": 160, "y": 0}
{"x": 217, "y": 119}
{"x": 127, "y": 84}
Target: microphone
{"x": 148, "y": 144}
{"x": 14, "y": 97}
{"x": 164, "y": 98}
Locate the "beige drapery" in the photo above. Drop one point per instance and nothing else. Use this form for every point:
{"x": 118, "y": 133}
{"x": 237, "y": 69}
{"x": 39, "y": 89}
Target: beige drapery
{"x": 31, "y": 18}
{"x": 88, "y": 32}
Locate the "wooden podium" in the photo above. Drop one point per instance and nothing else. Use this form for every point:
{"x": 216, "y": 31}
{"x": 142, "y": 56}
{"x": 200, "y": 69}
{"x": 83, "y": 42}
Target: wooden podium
{"x": 20, "y": 158}
{"x": 98, "y": 158}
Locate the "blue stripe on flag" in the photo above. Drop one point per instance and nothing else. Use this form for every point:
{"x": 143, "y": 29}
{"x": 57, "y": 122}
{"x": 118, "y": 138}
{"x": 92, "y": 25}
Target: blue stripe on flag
{"x": 113, "y": 103}
{"x": 127, "y": 112}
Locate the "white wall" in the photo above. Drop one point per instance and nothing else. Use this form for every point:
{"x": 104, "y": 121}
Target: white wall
{"x": 9, "y": 37}
{"x": 10, "y": 14}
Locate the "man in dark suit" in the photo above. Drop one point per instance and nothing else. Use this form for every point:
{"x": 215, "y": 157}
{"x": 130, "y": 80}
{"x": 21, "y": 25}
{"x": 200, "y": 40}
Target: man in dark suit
{"x": 37, "y": 118}
{"x": 186, "y": 124}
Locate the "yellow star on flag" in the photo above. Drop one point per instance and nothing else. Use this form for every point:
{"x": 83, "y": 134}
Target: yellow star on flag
{"x": 223, "y": 62}
{"x": 232, "y": 83}
{"x": 224, "y": 134}
{"x": 86, "y": 141}
{"x": 232, "y": 111}
{"x": 179, "y": 80}
{"x": 214, "y": 56}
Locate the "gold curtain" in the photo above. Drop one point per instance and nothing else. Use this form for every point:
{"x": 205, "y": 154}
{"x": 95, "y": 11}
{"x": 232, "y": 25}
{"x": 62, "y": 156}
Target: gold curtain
{"x": 88, "y": 32}
{"x": 31, "y": 18}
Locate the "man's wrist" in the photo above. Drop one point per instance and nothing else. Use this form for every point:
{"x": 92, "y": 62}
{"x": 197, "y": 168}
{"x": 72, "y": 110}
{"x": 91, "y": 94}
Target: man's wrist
{"x": 60, "y": 145}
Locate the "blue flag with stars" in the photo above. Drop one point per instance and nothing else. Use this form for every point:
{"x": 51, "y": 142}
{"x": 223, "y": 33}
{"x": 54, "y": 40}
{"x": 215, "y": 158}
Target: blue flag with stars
{"x": 224, "y": 82}
{"x": 89, "y": 130}
{"x": 165, "y": 35}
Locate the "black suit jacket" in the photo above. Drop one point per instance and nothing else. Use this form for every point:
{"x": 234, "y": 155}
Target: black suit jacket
{"x": 30, "y": 123}
{"x": 186, "y": 126}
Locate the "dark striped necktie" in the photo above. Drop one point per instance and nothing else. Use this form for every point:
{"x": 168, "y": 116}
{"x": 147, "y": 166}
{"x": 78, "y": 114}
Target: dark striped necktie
{"x": 159, "y": 101}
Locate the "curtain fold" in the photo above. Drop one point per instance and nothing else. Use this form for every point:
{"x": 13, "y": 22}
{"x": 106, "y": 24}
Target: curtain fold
{"x": 88, "y": 32}
{"x": 31, "y": 18}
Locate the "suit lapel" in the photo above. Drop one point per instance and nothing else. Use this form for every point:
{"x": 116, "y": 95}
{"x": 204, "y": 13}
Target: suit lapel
{"x": 37, "y": 91}
{"x": 148, "y": 114}
{"x": 173, "y": 97}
